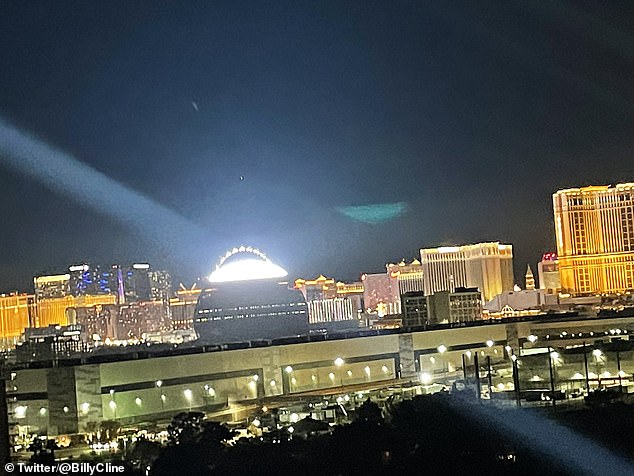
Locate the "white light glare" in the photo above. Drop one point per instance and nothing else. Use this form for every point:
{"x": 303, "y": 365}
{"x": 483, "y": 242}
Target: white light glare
{"x": 247, "y": 269}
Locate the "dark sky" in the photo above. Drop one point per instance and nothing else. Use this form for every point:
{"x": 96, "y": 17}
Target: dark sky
{"x": 472, "y": 113}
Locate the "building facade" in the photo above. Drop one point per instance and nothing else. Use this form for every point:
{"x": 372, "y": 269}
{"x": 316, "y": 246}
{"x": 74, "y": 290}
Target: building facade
{"x": 594, "y": 228}
{"x": 135, "y": 388}
{"x": 183, "y": 307}
{"x": 409, "y": 276}
{"x": 331, "y": 302}
{"x": 16, "y": 311}
{"x": 381, "y": 295}
{"x": 50, "y": 287}
{"x": 459, "y": 305}
{"x": 414, "y": 309}
{"x": 248, "y": 301}
{"x": 548, "y": 273}
{"x": 486, "y": 266}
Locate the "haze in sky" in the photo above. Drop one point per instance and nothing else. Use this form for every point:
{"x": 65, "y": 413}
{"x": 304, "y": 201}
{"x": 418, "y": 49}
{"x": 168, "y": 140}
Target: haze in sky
{"x": 335, "y": 136}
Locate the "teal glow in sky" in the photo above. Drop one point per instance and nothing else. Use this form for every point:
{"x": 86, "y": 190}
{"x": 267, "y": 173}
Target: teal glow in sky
{"x": 375, "y": 213}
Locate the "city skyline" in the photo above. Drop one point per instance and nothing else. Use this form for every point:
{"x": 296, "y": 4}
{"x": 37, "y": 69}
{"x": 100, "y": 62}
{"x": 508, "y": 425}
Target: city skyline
{"x": 318, "y": 237}
{"x": 337, "y": 137}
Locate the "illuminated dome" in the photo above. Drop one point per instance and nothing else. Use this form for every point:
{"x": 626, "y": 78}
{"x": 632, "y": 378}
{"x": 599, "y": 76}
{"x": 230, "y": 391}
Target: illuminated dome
{"x": 243, "y": 264}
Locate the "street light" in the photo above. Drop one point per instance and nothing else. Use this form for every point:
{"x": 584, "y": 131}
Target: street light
{"x": 552, "y": 356}
{"x": 188, "y": 396}
{"x": 113, "y": 407}
{"x": 339, "y": 361}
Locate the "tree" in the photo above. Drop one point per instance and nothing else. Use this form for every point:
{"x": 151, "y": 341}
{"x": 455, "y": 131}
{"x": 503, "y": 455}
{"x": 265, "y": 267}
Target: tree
{"x": 36, "y": 447}
{"x": 369, "y": 412}
{"x": 214, "y": 435}
{"x": 110, "y": 429}
{"x": 143, "y": 452}
{"x": 185, "y": 428}
{"x": 194, "y": 445}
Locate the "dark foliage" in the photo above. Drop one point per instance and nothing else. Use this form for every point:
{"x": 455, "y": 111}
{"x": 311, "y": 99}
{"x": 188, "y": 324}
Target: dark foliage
{"x": 425, "y": 435}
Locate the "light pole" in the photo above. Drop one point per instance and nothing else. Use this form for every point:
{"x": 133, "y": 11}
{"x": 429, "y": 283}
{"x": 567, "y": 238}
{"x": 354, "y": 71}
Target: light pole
{"x": 158, "y": 384}
{"x": 598, "y": 357}
{"x": 188, "y": 396}
{"x": 476, "y": 365}
{"x": 585, "y": 365}
{"x": 339, "y": 363}
{"x": 618, "y": 369}
{"x": 289, "y": 377}
{"x": 516, "y": 380}
{"x": 552, "y": 378}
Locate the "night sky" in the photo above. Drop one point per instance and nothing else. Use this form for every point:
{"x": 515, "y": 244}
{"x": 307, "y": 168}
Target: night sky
{"x": 261, "y": 122}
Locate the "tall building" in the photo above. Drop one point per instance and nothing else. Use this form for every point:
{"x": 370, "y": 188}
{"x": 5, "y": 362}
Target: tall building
{"x": 99, "y": 321}
{"x": 183, "y": 307}
{"x": 330, "y": 310}
{"x": 548, "y": 273}
{"x": 160, "y": 285}
{"x": 353, "y": 292}
{"x": 486, "y": 266}
{"x": 54, "y": 312}
{"x": 87, "y": 280}
{"x": 137, "y": 319}
{"x": 414, "y": 309}
{"x": 55, "y": 286}
{"x": 16, "y": 311}
{"x": 409, "y": 276}
{"x": 51, "y": 343}
{"x": 99, "y": 297}
{"x": 318, "y": 288}
{"x": 459, "y": 305}
{"x": 329, "y": 301}
{"x": 594, "y": 228}
{"x": 381, "y": 294}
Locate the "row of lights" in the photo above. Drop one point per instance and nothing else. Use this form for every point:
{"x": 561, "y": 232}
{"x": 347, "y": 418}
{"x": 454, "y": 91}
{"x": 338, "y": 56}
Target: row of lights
{"x": 564, "y": 334}
{"x": 339, "y": 362}
{"x": 443, "y": 348}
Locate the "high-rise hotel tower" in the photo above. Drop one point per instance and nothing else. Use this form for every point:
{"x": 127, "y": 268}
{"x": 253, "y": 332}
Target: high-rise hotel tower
{"x": 595, "y": 238}
{"x": 486, "y": 266}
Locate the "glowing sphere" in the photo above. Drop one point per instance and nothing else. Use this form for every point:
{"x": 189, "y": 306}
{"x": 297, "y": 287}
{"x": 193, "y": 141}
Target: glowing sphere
{"x": 255, "y": 265}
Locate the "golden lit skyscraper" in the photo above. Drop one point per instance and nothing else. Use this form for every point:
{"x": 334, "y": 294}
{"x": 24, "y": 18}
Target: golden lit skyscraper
{"x": 595, "y": 238}
{"x": 15, "y": 315}
{"x": 486, "y": 266}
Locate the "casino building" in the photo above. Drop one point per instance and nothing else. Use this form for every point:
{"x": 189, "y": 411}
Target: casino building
{"x": 249, "y": 301}
{"x": 594, "y": 227}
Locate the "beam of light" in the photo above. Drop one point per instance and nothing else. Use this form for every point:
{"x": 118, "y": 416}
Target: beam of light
{"x": 375, "y": 213}
{"x": 575, "y": 452}
{"x": 63, "y": 174}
